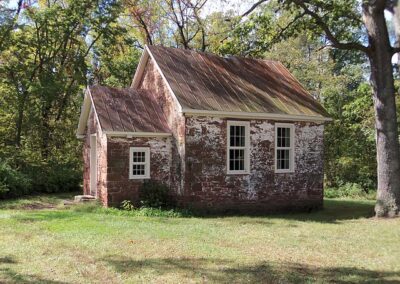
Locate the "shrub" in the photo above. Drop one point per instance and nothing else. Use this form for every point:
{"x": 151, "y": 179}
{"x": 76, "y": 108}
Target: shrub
{"x": 127, "y": 205}
{"x": 349, "y": 190}
{"x": 13, "y": 183}
{"x": 54, "y": 177}
{"x": 154, "y": 194}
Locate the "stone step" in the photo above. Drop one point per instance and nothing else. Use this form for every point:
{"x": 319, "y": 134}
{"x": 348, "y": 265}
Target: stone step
{"x": 84, "y": 198}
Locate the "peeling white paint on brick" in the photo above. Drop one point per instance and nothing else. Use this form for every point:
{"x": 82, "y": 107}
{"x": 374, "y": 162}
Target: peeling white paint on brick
{"x": 207, "y": 178}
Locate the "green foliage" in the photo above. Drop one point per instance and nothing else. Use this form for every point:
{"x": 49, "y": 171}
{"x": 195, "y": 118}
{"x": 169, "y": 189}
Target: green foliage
{"x": 127, "y": 205}
{"x": 12, "y": 182}
{"x": 350, "y": 141}
{"x": 349, "y": 190}
{"x": 43, "y": 70}
{"x": 154, "y": 194}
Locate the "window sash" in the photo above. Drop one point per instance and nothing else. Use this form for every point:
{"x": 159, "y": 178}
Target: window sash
{"x": 145, "y": 154}
{"x": 284, "y": 155}
{"x": 238, "y": 142}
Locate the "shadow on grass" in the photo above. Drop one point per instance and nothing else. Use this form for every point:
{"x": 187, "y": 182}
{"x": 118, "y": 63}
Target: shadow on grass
{"x": 36, "y": 201}
{"x": 45, "y": 215}
{"x": 8, "y": 275}
{"x": 223, "y": 271}
{"x": 7, "y": 260}
{"x": 334, "y": 210}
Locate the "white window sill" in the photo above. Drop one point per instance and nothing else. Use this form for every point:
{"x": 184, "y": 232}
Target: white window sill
{"x": 237, "y": 173}
{"x": 284, "y": 171}
{"x": 139, "y": 177}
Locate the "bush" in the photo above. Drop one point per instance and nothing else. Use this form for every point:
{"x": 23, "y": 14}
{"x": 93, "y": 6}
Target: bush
{"x": 54, "y": 177}
{"x": 349, "y": 190}
{"x": 13, "y": 183}
{"x": 155, "y": 195}
{"x": 127, "y": 205}
{"x": 38, "y": 178}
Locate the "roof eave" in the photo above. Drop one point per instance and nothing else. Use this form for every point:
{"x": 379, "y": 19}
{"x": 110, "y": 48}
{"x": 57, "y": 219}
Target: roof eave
{"x": 140, "y": 69}
{"x": 257, "y": 115}
{"x": 85, "y": 110}
{"x": 136, "y": 134}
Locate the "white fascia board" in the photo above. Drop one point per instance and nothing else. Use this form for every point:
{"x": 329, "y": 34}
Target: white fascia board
{"x": 87, "y": 105}
{"x": 95, "y": 113}
{"x": 140, "y": 69}
{"x": 180, "y": 109}
{"x": 85, "y": 110}
{"x": 256, "y": 115}
{"x": 136, "y": 134}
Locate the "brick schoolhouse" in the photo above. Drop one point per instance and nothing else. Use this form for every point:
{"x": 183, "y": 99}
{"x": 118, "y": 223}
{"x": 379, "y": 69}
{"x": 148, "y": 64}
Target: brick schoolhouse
{"x": 224, "y": 133}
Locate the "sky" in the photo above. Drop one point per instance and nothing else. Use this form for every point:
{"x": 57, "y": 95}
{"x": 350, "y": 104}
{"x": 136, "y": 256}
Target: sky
{"x": 211, "y": 5}
{"x": 222, "y": 5}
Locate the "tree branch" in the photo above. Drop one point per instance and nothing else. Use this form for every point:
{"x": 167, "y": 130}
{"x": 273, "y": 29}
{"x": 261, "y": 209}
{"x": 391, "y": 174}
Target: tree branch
{"x": 331, "y": 37}
{"x": 252, "y": 8}
{"x": 395, "y": 50}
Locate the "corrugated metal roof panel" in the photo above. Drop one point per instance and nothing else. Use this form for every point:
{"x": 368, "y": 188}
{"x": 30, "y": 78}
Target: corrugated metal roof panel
{"x": 128, "y": 110}
{"x": 204, "y": 81}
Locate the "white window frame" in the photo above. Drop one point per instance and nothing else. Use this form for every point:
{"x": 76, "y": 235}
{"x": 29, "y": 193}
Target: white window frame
{"x": 291, "y": 148}
{"x": 246, "y": 147}
{"x": 146, "y": 162}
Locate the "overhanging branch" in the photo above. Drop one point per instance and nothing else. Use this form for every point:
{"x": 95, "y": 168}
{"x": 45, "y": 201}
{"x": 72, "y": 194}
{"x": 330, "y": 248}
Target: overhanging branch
{"x": 331, "y": 37}
{"x": 322, "y": 24}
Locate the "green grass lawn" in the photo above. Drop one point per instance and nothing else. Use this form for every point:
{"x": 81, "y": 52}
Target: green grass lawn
{"x": 41, "y": 241}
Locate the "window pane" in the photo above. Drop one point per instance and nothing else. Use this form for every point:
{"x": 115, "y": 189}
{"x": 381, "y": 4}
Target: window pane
{"x": 236, "y": 159}
{"x": 237, "y": 136}
{"x": 139, "y": 157}
{"x": 241, "y": 135}
{"x": 283, "y": 137}
{"x": 232, "y": 136}
{"x": 138, "y": 169}
{"x": 241, "y": 165}
{"x": 231, "y": 165}
{"x": 283, "y": 159}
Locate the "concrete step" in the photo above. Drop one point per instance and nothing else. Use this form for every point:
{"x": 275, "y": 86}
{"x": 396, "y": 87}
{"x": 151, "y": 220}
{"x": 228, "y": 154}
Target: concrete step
{"x": 84, "y": 198}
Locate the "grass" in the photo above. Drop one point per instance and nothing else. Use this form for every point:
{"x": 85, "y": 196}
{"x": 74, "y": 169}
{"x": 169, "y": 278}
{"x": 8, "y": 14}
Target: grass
{"x": 53, "y": 244}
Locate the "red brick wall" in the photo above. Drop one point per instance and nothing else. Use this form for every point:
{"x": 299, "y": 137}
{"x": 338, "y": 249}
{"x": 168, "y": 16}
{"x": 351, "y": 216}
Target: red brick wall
{"x": 119, "y": 186}
{"x": 208, "y": 185}
{"x": 154, "y": 83}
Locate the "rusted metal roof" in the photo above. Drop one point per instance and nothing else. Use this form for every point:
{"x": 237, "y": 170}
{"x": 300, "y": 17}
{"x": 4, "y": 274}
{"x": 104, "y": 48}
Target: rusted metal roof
{"x": 127, "y": 110}
{"x": 204, "y": 81}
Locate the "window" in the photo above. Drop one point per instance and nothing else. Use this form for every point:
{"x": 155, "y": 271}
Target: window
{"x": 284, "y": 145}
{"x": 139, "y": 163}
{"x": 238, "y": 159}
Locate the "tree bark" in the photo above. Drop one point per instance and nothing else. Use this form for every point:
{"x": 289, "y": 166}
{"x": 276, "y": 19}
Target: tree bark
{"x": 387, "y": 138}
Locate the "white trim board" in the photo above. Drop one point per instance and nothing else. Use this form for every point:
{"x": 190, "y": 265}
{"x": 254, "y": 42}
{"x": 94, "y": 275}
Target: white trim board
{"x": 140, "y": 69}
{"x": 136, "y": 134}
{"x": 85, "y": 112}
{"x": 256, "y": 115}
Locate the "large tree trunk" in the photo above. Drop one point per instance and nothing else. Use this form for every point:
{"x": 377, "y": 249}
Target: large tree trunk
{"x": 387, "y": 139}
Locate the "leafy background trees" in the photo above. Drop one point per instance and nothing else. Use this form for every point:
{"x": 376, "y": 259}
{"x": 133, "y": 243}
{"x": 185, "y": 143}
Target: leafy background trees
{"x": 50, "y": 50}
